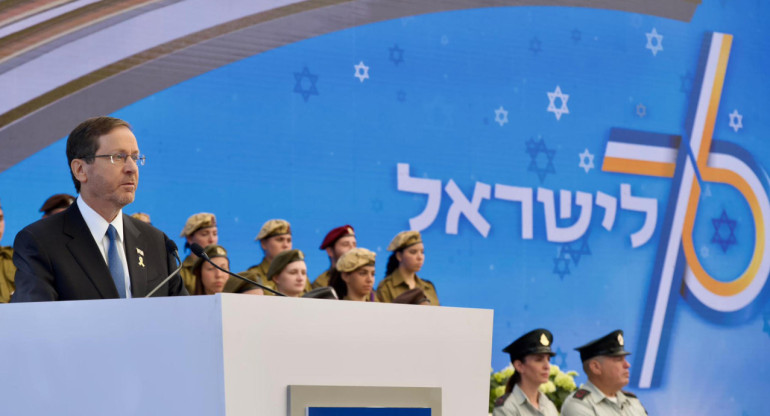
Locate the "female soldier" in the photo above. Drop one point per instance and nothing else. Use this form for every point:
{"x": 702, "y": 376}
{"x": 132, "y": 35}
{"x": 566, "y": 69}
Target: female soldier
{"x": 200, "y": 228}
{"x": 288, "y": 273}
{"x": 401, "y": 274}
{"x": 353, "y": 276}
{"x": 208, "y": 279}
{"x": 531, "y": 358}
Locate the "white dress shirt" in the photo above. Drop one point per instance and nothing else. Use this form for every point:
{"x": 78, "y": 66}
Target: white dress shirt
{"x": 98, "y": 227}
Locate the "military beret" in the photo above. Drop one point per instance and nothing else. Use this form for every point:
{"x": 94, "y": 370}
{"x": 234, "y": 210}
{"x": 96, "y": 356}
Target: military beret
{"x": 610, "y": 345}
{"x": 198, "y": 221}
{"x": 282, "y": 260}
{"x": 212, "y": 251}
{"x": 534, "y": 342}
{"x": 355, "y": 258}
{"x": 335, "y": 235}
{"x": 404, "y": 239}
{"x": 412, "y": 297}
{"x": 57, "y": 201}
{"x": 274, "y": 227}
{"x": 141, "y": 216}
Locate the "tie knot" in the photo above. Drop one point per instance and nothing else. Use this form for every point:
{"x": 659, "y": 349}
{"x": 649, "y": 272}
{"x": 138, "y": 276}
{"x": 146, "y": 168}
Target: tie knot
{"x": 112, "y": 232}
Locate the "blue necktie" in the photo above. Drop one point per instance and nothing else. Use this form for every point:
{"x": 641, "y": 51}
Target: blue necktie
{"x": 116, "y": 266}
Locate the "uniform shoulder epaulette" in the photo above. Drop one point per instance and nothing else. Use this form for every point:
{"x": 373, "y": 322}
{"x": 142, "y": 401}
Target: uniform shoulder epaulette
{"x": 501, "y": 400}
{"x": 581, "y": 394}
{"x": 629, "y": 394}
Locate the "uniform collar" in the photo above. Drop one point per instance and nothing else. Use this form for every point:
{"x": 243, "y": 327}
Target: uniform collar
{"x": 599, "y": 396}
{"x": 520, "y": 398}
{"x": 398, "y": 279}
{"x": 97, "y": 225}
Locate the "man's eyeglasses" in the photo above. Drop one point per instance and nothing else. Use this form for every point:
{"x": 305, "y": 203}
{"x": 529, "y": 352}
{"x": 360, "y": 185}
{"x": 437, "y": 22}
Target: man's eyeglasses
{"x": 122, "y": 158}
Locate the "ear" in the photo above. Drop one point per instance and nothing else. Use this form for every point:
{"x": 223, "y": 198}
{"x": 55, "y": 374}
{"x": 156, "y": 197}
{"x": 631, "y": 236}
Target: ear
{"x": 78, "y": 167}
{"x": 518, "y": 365}
{"x": 596, "y": 367}
{"x": 345, "y": 276}
{"x": 330, "y": 252}
{"x": 262, "y": 244}
{"x": 399, "y": 256}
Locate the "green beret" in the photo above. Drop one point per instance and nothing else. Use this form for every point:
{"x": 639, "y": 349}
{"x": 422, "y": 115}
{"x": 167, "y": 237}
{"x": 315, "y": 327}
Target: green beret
{"x": 198, "y": 221}
{"x": 274, "y": 227}
{"x": 282, "y": 260}
{"x": 355, "y": 258}
{"x": 405, "y": 239}
{"x": 211, "y": 251}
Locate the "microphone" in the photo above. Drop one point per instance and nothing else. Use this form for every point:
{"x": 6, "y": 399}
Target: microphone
{"x": 198, "y": 251}
{"x": 171, "y": 248}
{"x": 323, "y": 292}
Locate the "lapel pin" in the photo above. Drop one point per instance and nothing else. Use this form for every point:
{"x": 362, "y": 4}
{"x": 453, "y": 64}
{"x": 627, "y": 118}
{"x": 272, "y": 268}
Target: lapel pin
{"x": 141, "y": 261}
{"x": 139, "y": 252}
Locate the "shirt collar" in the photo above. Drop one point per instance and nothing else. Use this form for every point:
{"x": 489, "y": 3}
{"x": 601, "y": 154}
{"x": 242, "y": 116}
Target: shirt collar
{"x": 599, "y": 395}
{"x": 96, "y": 223}
{"x": 520, "y": 397}
{"x": 398, "y": 279}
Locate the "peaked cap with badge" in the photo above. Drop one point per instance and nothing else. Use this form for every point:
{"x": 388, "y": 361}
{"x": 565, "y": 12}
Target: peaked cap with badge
{"x": 534, "y": 342}
{"x": 611, "y": 345}
{"x": 335, "y": 235}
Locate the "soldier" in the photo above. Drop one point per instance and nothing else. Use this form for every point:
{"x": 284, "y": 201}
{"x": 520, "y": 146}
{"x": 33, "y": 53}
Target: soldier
{"x": 208, "y": 279}
{"x": 7, "y": 269}
{"x": 404, "y": 263}
{"x": 274, "y": 238}
{"x": 288, "y": 273}
{"x": 200, "y": 228}
{"x": 604, "y": 361}
{"x": 336, "y": 243}
{"x": 353, "y": 276}
{"x": 531, "y": 356}
{"x": 56, "y": 204}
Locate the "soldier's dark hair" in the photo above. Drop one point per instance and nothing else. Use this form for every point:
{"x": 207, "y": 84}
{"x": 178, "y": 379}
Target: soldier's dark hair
{"x": 516, "y": 377}
{"x": 339, "y": 285}
{"x": 392, "y": 263}
{"x": 83, "y": 141}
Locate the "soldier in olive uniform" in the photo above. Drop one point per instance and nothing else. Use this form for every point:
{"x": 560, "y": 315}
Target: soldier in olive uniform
{"x": 531, "y": 358}
{"x": 604, "y": 361}
{"x": 336, "y": 243}
{"x": 288, "y": 274}
{"x": 200, "y": 228}
{"x": 208, "y": 279}
{"x": 56, "y": 204}
{"x": 401, "y": 274}
{"x": 274, "y": 238}
{"x": 353, "y": 275}
{"x": 7, "y": 269}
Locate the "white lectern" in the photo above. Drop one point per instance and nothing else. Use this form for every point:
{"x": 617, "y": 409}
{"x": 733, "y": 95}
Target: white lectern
{"x": 232, "y": 354}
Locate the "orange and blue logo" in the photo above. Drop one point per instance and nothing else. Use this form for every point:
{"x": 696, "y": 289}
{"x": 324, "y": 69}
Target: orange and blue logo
{"x": 691, "y": 162}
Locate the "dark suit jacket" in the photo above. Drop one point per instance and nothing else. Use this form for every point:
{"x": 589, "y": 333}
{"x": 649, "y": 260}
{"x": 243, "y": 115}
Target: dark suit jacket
{"x": 57, "y": 259}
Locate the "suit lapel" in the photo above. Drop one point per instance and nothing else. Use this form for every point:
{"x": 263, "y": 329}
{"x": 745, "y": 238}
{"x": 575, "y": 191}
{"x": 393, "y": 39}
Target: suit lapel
{"x": 135, "y": 257}
{"x": 87, "y": 254}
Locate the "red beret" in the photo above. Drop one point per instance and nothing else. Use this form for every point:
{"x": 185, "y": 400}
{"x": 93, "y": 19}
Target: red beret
{"x": 336, "y": 234}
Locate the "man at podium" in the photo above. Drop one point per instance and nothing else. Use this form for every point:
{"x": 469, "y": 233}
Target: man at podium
{"x": 92, "y": 250}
